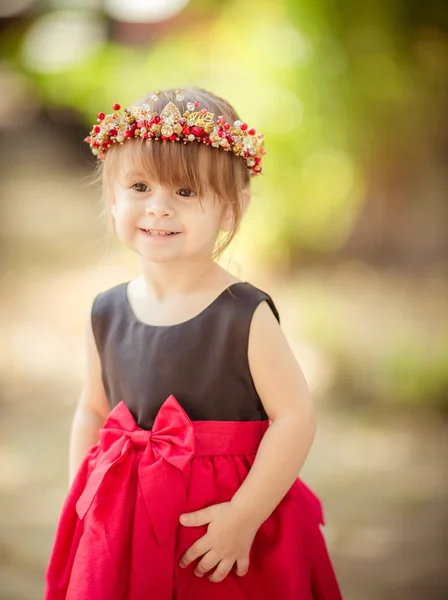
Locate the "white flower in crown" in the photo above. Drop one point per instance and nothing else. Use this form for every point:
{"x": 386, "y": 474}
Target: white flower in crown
{"x": 170, "y": 125}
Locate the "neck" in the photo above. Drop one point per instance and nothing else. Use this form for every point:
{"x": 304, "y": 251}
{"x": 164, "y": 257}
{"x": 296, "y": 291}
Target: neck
{"x": 173, "y": 279}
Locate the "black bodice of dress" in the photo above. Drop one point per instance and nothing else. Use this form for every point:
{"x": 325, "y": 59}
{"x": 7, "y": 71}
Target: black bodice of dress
{"x": 202, "y": 362}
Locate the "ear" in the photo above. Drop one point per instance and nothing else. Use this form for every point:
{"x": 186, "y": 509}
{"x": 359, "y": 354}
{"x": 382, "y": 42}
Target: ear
{"x": 228, "y": 219}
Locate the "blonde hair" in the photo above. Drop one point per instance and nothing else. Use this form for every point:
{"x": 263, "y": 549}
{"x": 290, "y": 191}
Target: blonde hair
{"x": 182, "y": 165}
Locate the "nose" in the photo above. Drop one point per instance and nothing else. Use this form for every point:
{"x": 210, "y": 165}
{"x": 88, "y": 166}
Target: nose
{"x": 158, "y": 206}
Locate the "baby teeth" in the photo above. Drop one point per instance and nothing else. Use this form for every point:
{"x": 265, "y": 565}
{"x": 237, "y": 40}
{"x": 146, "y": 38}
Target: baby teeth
{"x": 150, "y": 232}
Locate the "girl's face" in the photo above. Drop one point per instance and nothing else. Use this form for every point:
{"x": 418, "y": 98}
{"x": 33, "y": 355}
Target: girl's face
{"x": 165, "y": 224}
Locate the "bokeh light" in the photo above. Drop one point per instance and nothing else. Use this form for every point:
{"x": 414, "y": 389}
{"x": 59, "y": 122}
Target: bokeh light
{"x": 59, "y": 40}
{"x": 144, "y": 11}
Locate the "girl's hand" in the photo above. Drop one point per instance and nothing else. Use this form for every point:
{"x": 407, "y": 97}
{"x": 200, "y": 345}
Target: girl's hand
{"x": 228, "y": 541}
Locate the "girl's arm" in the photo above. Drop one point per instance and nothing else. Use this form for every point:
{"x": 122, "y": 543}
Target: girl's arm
{"x": 284, "y": 393}
{"x": 283, "y": 390}
{"x": 92, "y": 408}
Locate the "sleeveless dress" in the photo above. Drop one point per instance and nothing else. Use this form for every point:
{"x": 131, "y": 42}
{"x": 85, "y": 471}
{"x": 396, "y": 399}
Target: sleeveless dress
{"x": 182, "y": 434}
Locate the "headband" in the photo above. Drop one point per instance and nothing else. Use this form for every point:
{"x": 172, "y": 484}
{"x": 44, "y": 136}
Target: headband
{"x": 170, "y": 125}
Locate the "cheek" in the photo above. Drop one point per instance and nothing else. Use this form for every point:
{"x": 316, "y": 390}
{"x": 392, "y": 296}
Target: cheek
{"x": 125, "y": 220}
{"x": 212, "y": 213}
{"x": 125, "y": 210}
{"x": 207, "y": 220}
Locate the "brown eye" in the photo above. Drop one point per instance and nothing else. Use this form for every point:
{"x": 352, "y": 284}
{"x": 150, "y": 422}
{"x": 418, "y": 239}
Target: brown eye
{"x": 185, "y": 193}
{"x": 140, "y": 187}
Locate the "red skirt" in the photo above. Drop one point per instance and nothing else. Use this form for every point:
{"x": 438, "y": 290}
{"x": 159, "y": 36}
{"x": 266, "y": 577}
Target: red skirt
{"x": 119, "y": 536}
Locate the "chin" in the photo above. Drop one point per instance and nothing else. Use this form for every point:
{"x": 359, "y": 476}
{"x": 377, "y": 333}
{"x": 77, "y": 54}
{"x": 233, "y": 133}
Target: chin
{"x": 160, "y": 260}
{"x": 172, "y": 252}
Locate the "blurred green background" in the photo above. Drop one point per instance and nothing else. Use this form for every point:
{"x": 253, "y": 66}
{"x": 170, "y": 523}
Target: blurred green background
{"x": 348, "y": 231}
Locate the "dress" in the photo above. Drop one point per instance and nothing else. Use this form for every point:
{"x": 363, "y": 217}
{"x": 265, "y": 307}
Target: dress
{"x": 182, "y": 434}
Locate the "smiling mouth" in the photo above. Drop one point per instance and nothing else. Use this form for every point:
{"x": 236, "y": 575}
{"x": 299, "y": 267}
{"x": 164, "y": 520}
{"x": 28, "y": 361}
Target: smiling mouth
{"x": 156, "y": 232}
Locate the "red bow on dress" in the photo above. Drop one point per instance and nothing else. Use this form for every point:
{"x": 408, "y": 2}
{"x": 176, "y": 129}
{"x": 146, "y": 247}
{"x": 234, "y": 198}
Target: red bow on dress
{"x": 169, "y": 449}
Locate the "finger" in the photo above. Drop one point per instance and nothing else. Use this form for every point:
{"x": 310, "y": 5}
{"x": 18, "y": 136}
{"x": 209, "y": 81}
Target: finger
{"x": 198, "y": 549}
{"x": 195, "y": 519}
{"x": 242, "y": 566}
{"x": 221, "y": 571}
{"x": 208, "y": 562}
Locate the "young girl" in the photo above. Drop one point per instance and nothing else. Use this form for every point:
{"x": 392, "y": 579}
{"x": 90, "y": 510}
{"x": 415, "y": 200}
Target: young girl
{"x": 195, "y": 418}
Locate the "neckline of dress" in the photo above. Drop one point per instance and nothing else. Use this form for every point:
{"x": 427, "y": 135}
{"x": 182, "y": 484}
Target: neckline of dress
{"x": 194, "y": 318}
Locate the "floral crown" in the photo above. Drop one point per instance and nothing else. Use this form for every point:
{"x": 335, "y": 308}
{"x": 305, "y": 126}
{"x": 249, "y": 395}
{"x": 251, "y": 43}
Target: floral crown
{"x": 170, "y": 125}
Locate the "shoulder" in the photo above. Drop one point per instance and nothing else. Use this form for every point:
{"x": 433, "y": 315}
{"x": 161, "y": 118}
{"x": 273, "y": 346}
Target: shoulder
{"x": 265, "y": 326}
{"x": 107, "y": 298}
{"x": 104, "y": 310}
{"x": 252, "y": 298}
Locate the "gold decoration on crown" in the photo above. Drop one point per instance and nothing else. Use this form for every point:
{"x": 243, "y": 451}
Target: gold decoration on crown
{"x": 173, "y": 126}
